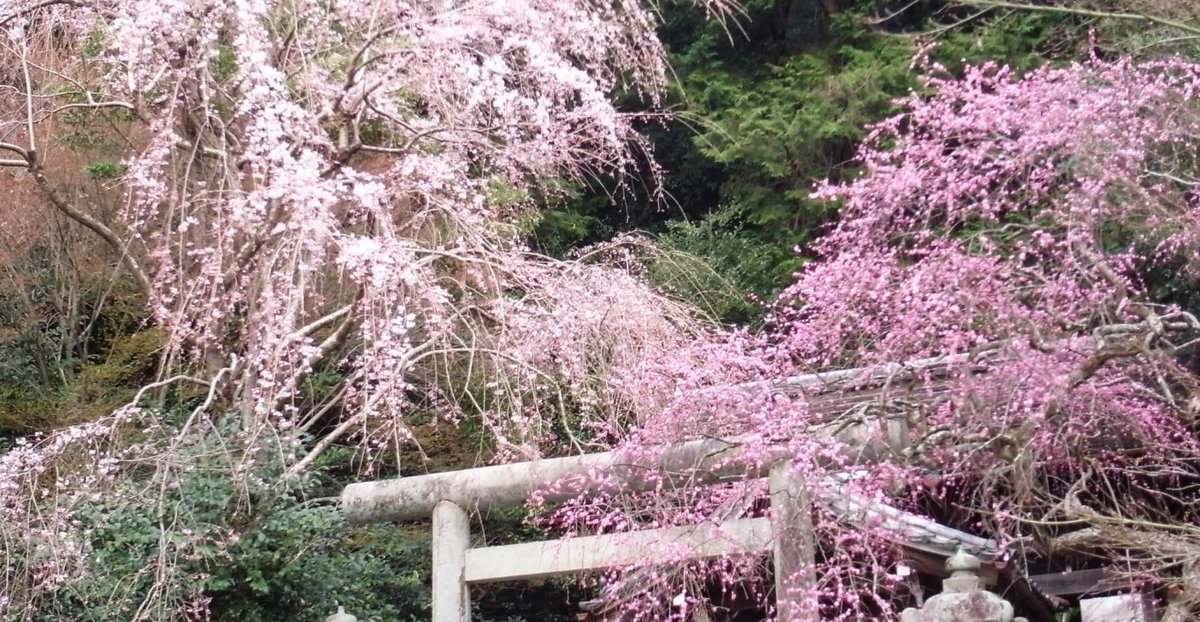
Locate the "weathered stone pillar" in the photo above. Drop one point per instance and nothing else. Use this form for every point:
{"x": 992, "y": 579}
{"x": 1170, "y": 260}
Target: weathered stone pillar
{"x": 451, "y": 538}
{"x": 794, "y": 545}
{"x": 963, "y": 598}
{"x": 341, "y": 616}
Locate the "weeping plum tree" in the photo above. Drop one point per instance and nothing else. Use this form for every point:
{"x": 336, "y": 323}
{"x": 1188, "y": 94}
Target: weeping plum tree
{"x": 1011, "y": 233}
{"x": 307, "y": 185}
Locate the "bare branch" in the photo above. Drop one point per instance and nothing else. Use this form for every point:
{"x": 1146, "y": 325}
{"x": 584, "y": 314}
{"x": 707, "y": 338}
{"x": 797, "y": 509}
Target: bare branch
{"x": 38, "y": 7}
{"x": 319, "y": 323}
{"x": 28, "y": 98}
{"x": 17, "y": 150}
{"x": 95, "y": 105}
{"x": 324, "y": 444}
{"x": 1020, "y": 6}
{"x": 89, "y": 221}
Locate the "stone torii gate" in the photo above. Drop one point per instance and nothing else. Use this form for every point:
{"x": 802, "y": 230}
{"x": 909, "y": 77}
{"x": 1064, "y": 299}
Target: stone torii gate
{"x": 448, "y": 497}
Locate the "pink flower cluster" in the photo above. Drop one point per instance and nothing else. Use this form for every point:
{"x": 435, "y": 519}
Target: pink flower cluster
{"x": 986, "y": 281}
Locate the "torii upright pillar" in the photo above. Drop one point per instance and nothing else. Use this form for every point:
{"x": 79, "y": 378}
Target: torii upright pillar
{"x": 451, "y": 538}
{"x": 794, "y": 545}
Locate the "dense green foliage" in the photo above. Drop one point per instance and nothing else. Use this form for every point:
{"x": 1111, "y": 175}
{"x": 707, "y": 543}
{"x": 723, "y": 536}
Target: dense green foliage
{"x": 771, "y": 103}
{"x": 270, "y": 552}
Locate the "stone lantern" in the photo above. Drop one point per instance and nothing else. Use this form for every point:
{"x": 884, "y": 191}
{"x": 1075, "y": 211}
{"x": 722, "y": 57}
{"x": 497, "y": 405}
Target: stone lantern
{"x": 341, "y": 616}
{"x": 963, "y": 598}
